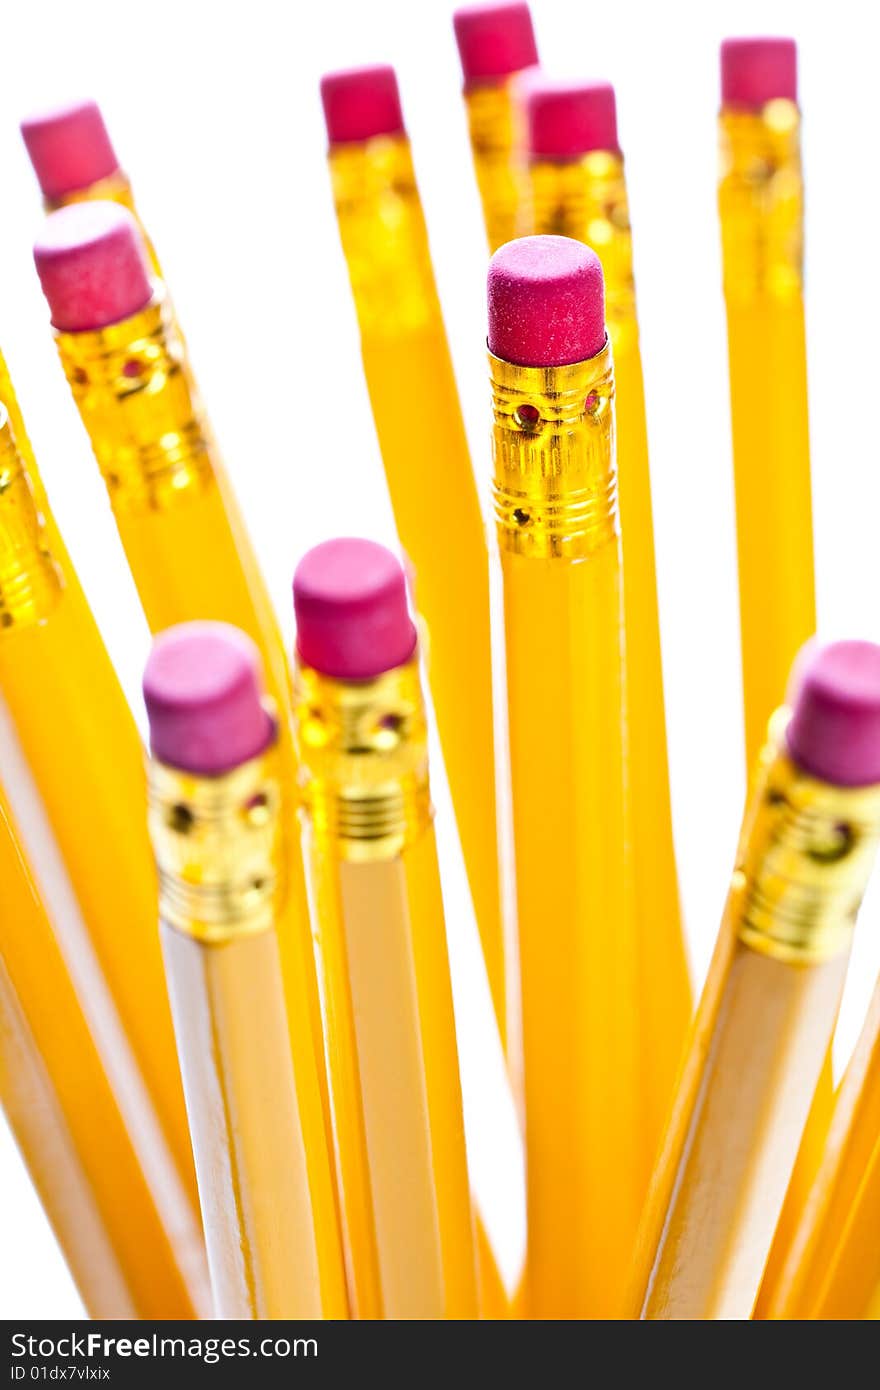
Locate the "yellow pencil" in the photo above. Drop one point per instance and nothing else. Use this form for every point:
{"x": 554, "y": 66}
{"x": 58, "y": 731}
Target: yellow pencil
{"x": 73, "y": 158}
{"x": 579, "y": 190}
{"x": 496, "y": 45}
{"x": 417, "y": 415}
{"x": 767, "y": 1013}
{"x": 177, "y": 517}
{"x": 79, "y": 738}
{"x": 559, "y": 541}
{"x": 760, "y": 199}
{"x": 379, "y": 918}
{"x": 114, "y": 1215}
{"x": 254, "y": 1100}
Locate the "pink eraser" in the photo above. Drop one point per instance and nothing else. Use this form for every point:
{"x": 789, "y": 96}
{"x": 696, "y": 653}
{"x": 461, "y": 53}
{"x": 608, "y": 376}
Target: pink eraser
{"x": 361, "y": 103}
{"x": 568, "y": 119}
{"x": 834, "y": 731}
{"x": 546, "y": 302}
{"x": 494, "y": 41}
{"x": 352, "y": 614}
{"x": 69, "y": 148}
{"x": 204, "y": 697}
{"x": 92, "y": 265}
{"x": 755, "y": 71}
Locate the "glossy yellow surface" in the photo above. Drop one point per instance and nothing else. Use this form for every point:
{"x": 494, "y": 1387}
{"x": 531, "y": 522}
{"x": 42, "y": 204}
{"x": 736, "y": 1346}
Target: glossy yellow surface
{"x": 184, "y": 537}
{"x": 555, "y": 500}
{"x": 766, "y": 344}
{"x": 762, "y": 1032}
{"x": 584, "y": 1162}
{"x": 252, "y": 1086}
{"x": 833, "y": 1265}
{"x": 432, "y": 488}
{"x": 586, "y": 199}
{"x": 78, "y": 735}
{"x": 493, "y": 115}
{"x": 760, "y": 199}
{"x": 118, "y": 1236}
{"x": 392, "y": 1051}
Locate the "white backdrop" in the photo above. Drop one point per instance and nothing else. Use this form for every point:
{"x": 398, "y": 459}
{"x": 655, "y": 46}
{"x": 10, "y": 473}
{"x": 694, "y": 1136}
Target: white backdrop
{"x": 213, "y": 108}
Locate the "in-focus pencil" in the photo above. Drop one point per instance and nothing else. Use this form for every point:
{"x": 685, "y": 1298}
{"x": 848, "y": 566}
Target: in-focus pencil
{"x": 559, "y": 543}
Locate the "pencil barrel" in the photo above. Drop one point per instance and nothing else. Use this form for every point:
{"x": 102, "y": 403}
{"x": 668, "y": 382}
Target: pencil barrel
{"x": 494, "y": 119}
{"x": 760, "y": 201}
{"x": 433, "y": 493}
{"x": 761, "y": 1036}
{"x": 559, "y": 545}
{"x": 392, "y": 1050}
{"x": 252, "y": 1087}
{"x": 586, "y": 198}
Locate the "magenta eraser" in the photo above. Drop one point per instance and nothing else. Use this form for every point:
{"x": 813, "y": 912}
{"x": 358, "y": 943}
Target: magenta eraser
{"x": 567, "y": 119}
{"x": 361, "y": 103}
{"x": 92, "y": 265}
{"x": 494, "y": 41}
{"x": 755, "y": 71}
{"x": 352, "y": 614}
{"x": 546, "y": 302}
{"x": 204, "y": 696}
{"x": 834, "y": 731}
{"x": 69, "y": 148}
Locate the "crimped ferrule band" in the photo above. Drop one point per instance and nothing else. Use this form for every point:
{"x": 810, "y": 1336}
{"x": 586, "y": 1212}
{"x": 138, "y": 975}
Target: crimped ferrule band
{"x": 217, "y": 843}
{"x": 553, "y": 445}
{"x": 363, "y": 748}
{"x": 807, "y": 852}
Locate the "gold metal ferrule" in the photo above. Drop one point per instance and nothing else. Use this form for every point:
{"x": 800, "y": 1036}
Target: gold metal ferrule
{"x": 217, "y": 843}
{"x": 586, "y": 199}
{"x": 383, "y": 233}
{"x": 135, "y": 393}
{"x": 555, "y": 483}
{"x": 806, "y": 854}
{"x": 761, "y": 201}
{"x": 30, "y": 581}
{"x": 363, "y": 748}
{"x": 494, "y": 117}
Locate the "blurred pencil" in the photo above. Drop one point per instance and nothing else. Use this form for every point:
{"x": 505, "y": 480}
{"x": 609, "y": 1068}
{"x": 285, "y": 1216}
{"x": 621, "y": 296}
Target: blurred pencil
{"x": 252, "y": 1087}
{"x": 496, "y": 45}
{"x": 767, "y": 1012}
{"x": 379, "y": 919}
{"x": 417, "y": 416}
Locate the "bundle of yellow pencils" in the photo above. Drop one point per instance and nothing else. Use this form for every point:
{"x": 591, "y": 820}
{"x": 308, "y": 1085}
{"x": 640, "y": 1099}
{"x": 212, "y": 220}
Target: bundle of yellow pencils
{"x": 228, "y": 1050}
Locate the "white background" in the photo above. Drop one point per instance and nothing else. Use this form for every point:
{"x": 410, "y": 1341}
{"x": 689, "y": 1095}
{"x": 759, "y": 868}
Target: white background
{"x": 214, "y": 111}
